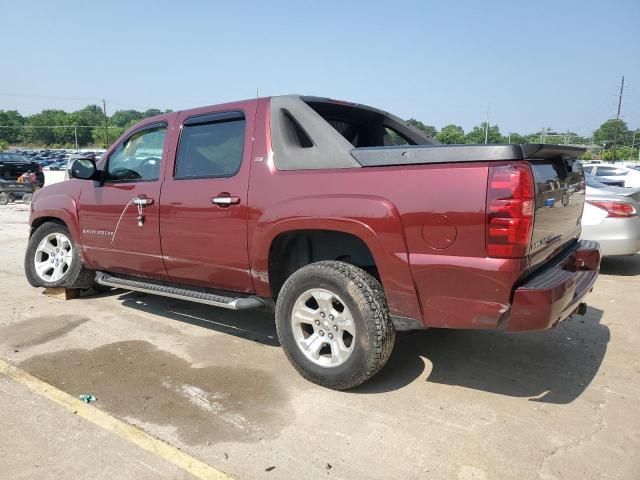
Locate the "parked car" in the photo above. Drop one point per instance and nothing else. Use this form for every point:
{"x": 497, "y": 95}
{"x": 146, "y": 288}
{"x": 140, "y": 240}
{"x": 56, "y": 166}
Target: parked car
{"x": 13, "y": 166}
{"x": 306, "y": 205}
{"x": 614, "y": 175}
{"x": 611, "y": 218}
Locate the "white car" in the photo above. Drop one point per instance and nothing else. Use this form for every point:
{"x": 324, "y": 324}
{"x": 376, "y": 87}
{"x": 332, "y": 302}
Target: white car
{"x": 614, "y": 174}
{"x": 611, "y": 218}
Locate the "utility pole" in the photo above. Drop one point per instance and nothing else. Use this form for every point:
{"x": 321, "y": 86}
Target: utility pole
{"x": 542, "y": 132}
{"x": 75, "y": 129}
{"x": 106, "y": 120}
{"x": 615, "y": 136}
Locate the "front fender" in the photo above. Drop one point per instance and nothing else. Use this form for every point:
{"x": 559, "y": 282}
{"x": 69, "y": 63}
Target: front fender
{"x": 58, "y": 206}
{"x": 374, "y": 220}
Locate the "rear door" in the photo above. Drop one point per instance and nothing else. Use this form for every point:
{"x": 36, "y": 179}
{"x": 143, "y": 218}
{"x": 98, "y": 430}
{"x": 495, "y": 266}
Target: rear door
{"x": 203, "y": 207}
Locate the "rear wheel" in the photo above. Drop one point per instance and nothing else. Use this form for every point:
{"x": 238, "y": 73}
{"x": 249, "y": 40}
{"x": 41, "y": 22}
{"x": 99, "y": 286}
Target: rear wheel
{"x": 52, "y": 259}
{"x": 334, "y": 325}
{"x": 4, "y": 198}
{"x": 12, "y": 197}
{"x": 26, "y": 199}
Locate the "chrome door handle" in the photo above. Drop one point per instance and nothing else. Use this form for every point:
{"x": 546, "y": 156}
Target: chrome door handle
{"x": 142, "y": 201}
{"x": 225, "y": 200}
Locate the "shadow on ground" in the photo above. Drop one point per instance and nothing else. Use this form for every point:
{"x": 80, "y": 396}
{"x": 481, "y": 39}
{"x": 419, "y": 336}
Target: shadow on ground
{"x": 257, "y": 326}
{"x": 626, "y": 266}
{"x": 554, "y": 366}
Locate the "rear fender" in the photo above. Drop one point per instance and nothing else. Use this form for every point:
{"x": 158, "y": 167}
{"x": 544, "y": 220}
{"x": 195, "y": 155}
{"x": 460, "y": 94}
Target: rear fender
{"x": 374, "y": 220}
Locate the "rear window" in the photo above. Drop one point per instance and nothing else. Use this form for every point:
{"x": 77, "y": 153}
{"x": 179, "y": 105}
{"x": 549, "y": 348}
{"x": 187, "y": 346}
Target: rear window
{"x": 210, "y": 149}
{"x": 12, "y": 157}
{"x": 604, "y": 171}
{"x": 593, "y": 183}
{"x": 366, "y": 127}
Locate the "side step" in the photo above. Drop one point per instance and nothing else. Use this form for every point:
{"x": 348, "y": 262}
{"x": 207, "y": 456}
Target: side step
{"x": 182, "y": 293}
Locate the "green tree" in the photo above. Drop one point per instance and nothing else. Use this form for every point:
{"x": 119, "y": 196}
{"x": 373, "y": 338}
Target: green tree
{"x": 586, "y": 156}
{"x": 606, "y": 133}
{"x": 451, "y": 134}
{"x": 477, "y": 134}
{"x": 12, "y": 119}
{"x": 622, "y": 153}
{"x": 124, "y": 118}
{"x": 428, "y": 129}
{"x": 152, "y": 112}
{"x": 514, "y": 138}
{"x": 91, "y": 115}
{"x": 99, "y": 139}
{"x": 50, "y": 126}
{"x": 3, "y": 145}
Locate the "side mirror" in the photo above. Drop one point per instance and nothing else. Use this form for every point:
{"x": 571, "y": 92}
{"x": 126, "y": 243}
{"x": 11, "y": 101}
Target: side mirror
{"x": 84, "y": 169}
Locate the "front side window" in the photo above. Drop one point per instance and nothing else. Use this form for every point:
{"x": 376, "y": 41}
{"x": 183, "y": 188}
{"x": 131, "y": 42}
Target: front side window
{"x": 138, "y": 157}
{"x": 212, "y": 149}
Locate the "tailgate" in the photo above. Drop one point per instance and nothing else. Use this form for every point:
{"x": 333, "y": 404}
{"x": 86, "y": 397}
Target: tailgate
{"x": 559, "y": 201}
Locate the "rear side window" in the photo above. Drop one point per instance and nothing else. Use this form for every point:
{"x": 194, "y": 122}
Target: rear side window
{"x": 211, "y": 147}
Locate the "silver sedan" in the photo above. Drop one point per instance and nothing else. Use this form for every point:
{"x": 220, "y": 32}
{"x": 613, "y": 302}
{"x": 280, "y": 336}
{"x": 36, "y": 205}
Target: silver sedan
{"x": 611, "y": 218}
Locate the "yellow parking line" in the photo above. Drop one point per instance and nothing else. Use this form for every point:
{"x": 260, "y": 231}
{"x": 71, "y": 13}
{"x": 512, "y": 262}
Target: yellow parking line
{"x": 134, "y": 435}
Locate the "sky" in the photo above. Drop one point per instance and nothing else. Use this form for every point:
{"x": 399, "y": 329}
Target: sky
{"x": 528, "y": 64}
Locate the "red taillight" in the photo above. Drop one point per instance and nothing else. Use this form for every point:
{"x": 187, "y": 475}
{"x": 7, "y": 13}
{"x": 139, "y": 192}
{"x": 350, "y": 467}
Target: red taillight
{"x": 615, "y": 209}
{"x": 510, "y": 208}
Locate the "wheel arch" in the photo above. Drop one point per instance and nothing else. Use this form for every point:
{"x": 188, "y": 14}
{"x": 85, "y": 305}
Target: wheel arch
{"x": 378, "y": 227}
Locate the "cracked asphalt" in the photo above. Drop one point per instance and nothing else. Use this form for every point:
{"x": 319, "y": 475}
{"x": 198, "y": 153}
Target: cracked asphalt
{"x": 465, "y": 405}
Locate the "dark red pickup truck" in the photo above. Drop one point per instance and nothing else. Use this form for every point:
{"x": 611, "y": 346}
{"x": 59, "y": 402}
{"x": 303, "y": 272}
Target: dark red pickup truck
{"x": 350, "y": 223}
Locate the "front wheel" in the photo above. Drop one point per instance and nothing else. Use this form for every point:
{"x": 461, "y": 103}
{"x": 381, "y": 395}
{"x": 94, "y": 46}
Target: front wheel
{"x": 334, "y": 325}
{"x": 52, "y": 259}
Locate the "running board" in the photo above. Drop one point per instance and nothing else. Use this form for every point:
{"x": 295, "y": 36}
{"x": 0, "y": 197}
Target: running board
{"x": 232, "y": 303}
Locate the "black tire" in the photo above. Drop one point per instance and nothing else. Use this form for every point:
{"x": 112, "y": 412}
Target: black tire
{"x": 26, "y": 199}
{"x": 12, "y": 197}
{"x": 4, "y": 198}
{"x": 77, "y": 275}
{"x": 364, "y": 296}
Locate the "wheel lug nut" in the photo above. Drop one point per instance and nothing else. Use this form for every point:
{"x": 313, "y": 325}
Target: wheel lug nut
{"x": 322, "y": 314}
{"x": 331, "y": 336}
{"x": 317, "y": 322}
{"x": 321, "y": 333}
{"x": 335, "y": 327}
{"x": 330, "y": 317}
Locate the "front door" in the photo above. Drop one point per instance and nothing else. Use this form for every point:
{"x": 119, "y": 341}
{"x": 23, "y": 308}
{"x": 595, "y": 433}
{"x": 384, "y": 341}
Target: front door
{"x": 119, "y": 217}
{"x": 203, "y": 206}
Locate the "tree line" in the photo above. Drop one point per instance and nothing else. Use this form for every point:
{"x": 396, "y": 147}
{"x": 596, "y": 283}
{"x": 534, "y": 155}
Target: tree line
{"x": 610, "y": 133}
{"x": 61, "y": 129}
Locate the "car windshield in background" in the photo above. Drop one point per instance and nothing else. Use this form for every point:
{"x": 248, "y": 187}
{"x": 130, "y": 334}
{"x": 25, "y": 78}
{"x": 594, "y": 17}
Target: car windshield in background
{"x": 12, "y": 157}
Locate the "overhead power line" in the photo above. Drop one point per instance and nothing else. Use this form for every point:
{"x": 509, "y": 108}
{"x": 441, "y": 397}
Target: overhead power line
{"x": 56, "y": 126}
